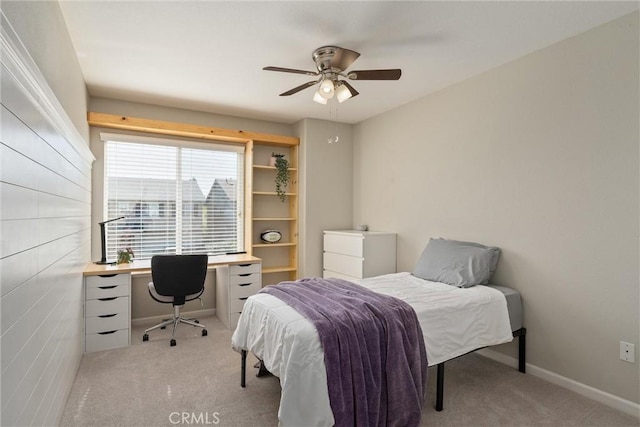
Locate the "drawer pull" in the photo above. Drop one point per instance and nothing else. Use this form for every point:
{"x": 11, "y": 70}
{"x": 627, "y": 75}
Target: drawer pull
{"x": 107, "y": 287}
{"x": 244, "y": 265}
{"x": 244, "y": 274}
{"x": 243, "y": 299}
{"x": 107, "y": 299}
{"x": 104, "y": 316}
{"x": 107, "y": 333}
{"x": 107, "y": 275}
{"x": 245, "y": 284}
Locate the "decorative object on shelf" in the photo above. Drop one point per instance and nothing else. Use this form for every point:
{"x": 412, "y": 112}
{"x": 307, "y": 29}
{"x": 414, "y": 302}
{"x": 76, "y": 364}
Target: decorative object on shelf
{"x": 362, "y": 227}
{"x": 125, "y": 256}
{"x": 282, "y": 174}
{"x": 271, "y": 236}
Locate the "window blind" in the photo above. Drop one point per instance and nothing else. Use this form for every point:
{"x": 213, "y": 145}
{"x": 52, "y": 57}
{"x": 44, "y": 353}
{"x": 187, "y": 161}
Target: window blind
{"x": 176, "y": 197}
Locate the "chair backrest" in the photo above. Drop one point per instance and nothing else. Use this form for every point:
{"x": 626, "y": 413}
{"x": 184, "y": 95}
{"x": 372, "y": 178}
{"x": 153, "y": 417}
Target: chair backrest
{"x": 178, "y": 275}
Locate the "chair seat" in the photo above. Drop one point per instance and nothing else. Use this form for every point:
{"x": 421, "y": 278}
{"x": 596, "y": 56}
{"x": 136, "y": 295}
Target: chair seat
{"x": 168, "y": 299}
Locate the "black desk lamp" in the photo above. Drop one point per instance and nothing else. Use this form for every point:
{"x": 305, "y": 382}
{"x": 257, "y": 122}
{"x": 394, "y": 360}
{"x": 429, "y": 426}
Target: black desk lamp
{"x": 103, "y": 260}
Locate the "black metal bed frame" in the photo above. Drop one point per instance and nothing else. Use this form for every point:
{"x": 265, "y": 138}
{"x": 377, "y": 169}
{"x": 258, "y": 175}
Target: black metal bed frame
{"x": 522, "y": 347}
{"x": 521, "y": 334}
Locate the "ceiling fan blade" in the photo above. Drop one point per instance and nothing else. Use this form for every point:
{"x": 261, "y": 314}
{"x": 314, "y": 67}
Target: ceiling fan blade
{"x": 351, "y": 88}
{"x": 343, "y": 58}
{"x": 393, "y": 74}
{"x": 299, "y": 88}
{"x": 291, "y": 70}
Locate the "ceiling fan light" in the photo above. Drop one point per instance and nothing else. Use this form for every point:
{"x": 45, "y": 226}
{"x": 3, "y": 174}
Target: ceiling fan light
{"x": 343, "y": 93}
{"x": 319, "y": 98}
{"x": 326, "y": 88}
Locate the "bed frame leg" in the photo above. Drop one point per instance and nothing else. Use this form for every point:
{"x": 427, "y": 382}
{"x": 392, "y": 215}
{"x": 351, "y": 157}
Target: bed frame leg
{"x": 262, "y": 370}
{"x": 522, "y": 350}
{"x": 243, "y": 368}
{"x": 440, "y": 387}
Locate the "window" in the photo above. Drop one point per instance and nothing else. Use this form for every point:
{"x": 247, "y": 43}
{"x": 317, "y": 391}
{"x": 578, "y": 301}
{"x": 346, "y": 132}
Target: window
{"x": 176, "y": 197}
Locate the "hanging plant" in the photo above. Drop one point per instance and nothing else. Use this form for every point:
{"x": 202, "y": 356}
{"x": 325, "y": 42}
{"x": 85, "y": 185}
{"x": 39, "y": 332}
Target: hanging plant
{"x": 282, "y": 174}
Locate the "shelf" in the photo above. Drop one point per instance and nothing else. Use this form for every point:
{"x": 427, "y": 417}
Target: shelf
{"x": 267, "y": 270}
{"x": 280, "y": 259}
{"x": 271, "y": 167}
{"x": 271, "y": 193}
{"x": 275, "y": 219}
{"x": 271, "y": 245}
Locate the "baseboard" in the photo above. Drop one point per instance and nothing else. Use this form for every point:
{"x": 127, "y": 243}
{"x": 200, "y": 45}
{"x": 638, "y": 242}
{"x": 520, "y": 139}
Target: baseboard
{"x": 626, "y": 406}
{"x": 150, "y": 320}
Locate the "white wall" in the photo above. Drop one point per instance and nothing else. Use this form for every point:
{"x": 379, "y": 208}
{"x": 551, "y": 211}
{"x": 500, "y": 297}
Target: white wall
{"x": 45, "y": 194}
{"x": 326, "y": 185}
{"x": 539, "y": 157}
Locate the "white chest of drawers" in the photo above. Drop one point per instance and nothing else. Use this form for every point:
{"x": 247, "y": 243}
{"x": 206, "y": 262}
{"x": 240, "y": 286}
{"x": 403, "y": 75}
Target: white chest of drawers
{"x": 350, "y": 254}
{"x": 234, "y": 284}
{"x": 107, "y": 312}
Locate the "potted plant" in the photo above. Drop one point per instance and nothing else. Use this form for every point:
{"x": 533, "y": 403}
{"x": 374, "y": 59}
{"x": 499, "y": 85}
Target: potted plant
{"x": 282, "y": 174}
{"x": 125, "y": 256}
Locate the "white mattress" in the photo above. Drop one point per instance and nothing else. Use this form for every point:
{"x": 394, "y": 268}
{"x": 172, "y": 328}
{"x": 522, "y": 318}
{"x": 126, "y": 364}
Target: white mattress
{"x": 454, "y": 321}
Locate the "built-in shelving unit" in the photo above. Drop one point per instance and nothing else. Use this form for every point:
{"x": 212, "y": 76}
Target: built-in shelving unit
{"x": 263, "y": 209}
{"x": 269, "y": 212}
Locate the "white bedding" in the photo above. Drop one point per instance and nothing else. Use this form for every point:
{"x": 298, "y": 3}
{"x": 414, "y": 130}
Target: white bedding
{"x": 454, "y": 321}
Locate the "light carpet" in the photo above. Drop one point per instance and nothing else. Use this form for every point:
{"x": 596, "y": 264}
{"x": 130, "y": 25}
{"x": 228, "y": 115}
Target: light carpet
{"x": 197, "y": 382}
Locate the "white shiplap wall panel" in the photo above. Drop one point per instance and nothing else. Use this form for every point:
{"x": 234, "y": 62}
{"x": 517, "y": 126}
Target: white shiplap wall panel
{"x": 24, "y": 202}
{"x": 17, "y": 269}
{"x": 45, "y": 230}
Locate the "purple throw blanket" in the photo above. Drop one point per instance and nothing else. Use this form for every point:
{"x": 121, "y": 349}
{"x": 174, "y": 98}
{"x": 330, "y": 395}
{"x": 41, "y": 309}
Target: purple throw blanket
{"x": 373, "y": 350}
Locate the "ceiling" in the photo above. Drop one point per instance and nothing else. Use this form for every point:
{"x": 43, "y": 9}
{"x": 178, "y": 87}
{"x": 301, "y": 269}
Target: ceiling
{"x": 208, "y": 55}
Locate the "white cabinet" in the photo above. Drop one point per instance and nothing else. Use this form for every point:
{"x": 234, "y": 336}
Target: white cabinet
{"x": 350, "y": 254}
{"x": 234, "y": 284}
{"x": 107, "y": 312}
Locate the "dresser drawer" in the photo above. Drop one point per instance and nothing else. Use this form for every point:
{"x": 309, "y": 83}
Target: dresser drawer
{"x": 244, "y": 269}
{"x": 97, "y": 307}
{"x": 344, "y": 244}
{"x": 345, "y": 264}
{"x": 233, "y": 320}
{"x": 106, "y": 291}
{"x": 237, "y": 304}
{"x": 106, "y": 340}
{"x": 328, "y": 273}
{"x": 107, "y": 322}
{"x": 108, "y": 280}
{"x": 242, "y": 291}
{"x": 244, "y": 278}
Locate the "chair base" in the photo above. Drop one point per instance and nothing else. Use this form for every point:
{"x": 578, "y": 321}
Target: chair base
{"x": 175, "y": 321}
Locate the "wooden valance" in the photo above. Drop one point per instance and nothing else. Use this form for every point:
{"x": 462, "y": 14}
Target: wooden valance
{"x": 189, "y": 130}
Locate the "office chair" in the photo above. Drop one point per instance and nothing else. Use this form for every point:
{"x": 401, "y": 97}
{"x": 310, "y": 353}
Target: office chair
{"x": 177, "y": 279}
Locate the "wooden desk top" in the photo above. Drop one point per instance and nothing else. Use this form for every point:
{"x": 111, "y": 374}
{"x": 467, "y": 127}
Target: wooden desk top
{"x": 144, "y": 266}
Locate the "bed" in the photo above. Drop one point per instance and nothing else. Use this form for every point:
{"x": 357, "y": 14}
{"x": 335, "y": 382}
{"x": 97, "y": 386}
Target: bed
{"x": 455, "y": 320}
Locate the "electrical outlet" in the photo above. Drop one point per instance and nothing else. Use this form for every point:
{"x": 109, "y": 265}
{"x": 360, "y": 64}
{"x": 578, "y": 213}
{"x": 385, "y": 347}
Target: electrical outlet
{"x": 627, "y": 352}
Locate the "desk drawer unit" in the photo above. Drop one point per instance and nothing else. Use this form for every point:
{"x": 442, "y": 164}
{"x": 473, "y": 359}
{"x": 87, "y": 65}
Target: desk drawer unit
{"x": 234, "y": 284}
{"x": 107, "y": 312}
{"x": 350, "y": 254}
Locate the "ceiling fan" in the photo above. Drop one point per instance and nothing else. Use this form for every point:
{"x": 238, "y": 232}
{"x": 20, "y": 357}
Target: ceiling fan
{"x": 332, "y": 62}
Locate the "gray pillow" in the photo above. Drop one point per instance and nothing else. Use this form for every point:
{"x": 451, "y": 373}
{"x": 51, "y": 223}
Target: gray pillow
{"x": 495, "y": 252}
{"x": 461, "y": 264}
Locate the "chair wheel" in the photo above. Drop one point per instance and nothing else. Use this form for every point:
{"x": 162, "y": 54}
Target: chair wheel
{"x": 204, "y": 332}
{"x": 145, "y": 337}
{"x": 196, "y": 320}
{"x": 163, "y": 327}
{"x": 172, "y": 343}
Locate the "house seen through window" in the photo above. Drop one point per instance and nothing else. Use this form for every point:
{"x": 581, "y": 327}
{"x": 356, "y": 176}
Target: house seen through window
{"x": 175, "y": 199}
